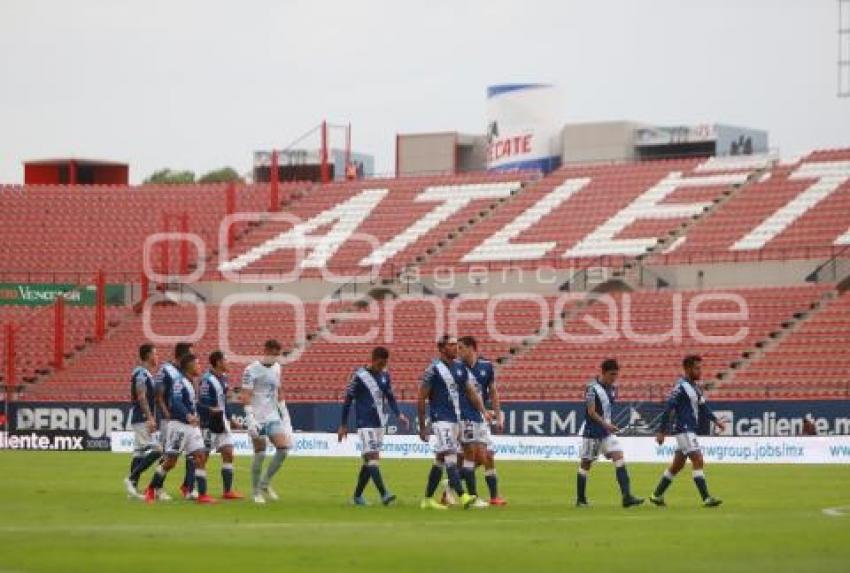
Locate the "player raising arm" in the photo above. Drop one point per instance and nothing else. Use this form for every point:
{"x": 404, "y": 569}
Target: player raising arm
{"x": 688, "y": 403}
{"x": 369, "y": 388}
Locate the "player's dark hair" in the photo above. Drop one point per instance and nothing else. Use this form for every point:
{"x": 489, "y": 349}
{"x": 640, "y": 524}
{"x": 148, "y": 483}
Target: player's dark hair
{"x": 186, "y": 360}
{"x": 610, "y": 365}
{"x": 380, "y": 353}
{"x": 145, "y": 351}
{"x": 272, "y": 345}
{"x": 181, "y": 349}
{"x": 469, "y": 341}
{"x": 444, "y": 340}
{"x": 691, "y": 360}
{"x": 216, "y": 357}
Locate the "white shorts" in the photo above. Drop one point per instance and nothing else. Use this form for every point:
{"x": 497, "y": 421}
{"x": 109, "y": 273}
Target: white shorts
{"x": 474, "y": 432}
{"x": 687, "y": 443}
{"x": 445, "y": 437}
{"x": 491, "y": 445}
{"x": 592, "y": 448}
{"x": 183, "y": 438}
{"x": 371, "y": 440}
{"x": 144, "y": 440}
{"x": 214, "y": 442}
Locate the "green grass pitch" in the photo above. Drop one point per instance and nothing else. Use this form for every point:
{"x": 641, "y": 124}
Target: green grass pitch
{"x": 67, "y": 512}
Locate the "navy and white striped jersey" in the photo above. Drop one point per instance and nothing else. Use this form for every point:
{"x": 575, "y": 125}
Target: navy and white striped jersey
{"x": 445, "y": 383}
{"x": 687, "y": 401}
{"x": 182, "y": 399}
{"x": 485, "y": 378}
{"x": 164, "y": 382}
{"x": 212, "y": 393}
{"x": 371, "y": 392}
{"x": 141, "y": 379}
{"x": 602, "y": 397}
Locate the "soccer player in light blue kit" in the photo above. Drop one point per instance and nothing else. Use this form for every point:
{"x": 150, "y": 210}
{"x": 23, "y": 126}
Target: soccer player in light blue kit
{"x": 442, "y": 382}
{"x": 146, "y": 449}
{"x": 168, "y": 373}
{"x": 266, "y": 417}
{"x": 184, "y": 434}
{"x": 599, "y": 434}
{"x": 688, "y": 402}
{"x": 370, "y": 387}
{"x": 215, "y": 423}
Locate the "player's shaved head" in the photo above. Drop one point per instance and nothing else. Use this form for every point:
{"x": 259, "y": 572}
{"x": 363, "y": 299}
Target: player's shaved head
{"x": 468, "y": 341}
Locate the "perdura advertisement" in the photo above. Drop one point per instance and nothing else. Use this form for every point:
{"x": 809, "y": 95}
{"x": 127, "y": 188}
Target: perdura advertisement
{"x": 95, "y": 422}
{"x": 37, "y": 294}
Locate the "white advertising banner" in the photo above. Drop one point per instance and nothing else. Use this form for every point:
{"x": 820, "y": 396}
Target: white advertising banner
{"x": 761, "y": 450}
{"x": 524, "y": 126}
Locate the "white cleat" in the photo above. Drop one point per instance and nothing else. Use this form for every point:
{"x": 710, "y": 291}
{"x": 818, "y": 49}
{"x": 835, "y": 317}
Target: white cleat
{"x": 480, "y": 504}
{"x": 131, "y": 490}
{"x": 258, "y": 498}
{"x": 162, "y": 495}
{"x": 270, "y": 494}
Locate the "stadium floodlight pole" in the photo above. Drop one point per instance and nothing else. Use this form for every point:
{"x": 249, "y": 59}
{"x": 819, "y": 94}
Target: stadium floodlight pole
{"x": 347, "y": 145}
{"x": 59, "y": 332}
{"x": 145, "y": 287}
{"x": 323, "y": 155}
{"x": 10, "y": 372}
{"x": 274, "y": 189}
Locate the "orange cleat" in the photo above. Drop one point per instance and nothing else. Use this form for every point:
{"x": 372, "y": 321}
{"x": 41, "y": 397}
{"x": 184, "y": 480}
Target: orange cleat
{"x": 150, "y": 495}
{"x": 205, "y": 498}
{"x": 232, "y": 495}
{"x": 498, "y": 501}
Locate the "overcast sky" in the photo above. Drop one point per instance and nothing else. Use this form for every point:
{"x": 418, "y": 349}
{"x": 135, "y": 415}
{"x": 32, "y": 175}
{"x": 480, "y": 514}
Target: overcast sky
{"x": 201, "y": 84}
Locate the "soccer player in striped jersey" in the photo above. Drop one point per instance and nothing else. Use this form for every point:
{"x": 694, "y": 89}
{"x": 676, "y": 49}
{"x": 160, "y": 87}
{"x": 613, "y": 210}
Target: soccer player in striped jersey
{"x": 168, "y": 373}
{"x": 442, "y": 382}
{"x": 483, "y": 376}
{"x": 266, "y": 417}
{"x": 688, "y": 403}
{"x": 215, "y": 422}
{"x": 146, "y": 447}
{"x": 184, "y": 434}
{"x": 599, "y": 434}
{"x": 370, "y": 387}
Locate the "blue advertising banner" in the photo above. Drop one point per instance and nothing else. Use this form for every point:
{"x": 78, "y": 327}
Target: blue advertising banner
{"x": 97, "y": 420}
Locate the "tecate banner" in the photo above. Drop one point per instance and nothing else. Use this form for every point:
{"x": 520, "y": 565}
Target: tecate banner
{"x": 804, "y": 450}
{"x": 524, "y": 127}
